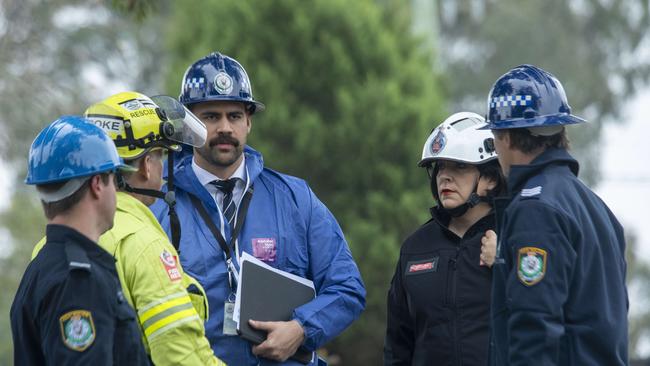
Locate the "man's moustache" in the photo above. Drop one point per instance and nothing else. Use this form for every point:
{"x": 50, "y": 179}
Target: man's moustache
{"x": 224, "y": 140}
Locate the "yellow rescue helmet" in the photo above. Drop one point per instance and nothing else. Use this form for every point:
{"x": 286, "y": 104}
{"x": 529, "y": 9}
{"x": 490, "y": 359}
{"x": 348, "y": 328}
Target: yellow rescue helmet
{"x": 137, "y": 123}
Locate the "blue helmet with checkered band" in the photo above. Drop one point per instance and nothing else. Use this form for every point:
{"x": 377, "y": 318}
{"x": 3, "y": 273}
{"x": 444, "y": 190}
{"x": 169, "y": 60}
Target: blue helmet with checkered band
{"x": 529, "y": 97}
{"x": 218, "y": 77}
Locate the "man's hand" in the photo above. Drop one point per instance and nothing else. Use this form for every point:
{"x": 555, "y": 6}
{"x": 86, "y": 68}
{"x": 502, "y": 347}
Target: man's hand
{"x": 282, "y": 341}
{"x": 488, "y": 248}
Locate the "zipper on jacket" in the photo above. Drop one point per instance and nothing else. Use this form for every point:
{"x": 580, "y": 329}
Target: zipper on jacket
{"x": 451, "y": 282}
{"x": 452, "y": 287}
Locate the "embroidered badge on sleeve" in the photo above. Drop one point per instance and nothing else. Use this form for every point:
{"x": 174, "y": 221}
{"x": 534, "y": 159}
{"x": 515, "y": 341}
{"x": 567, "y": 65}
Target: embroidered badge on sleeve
{"x": 170, "y": 263}
{"x": 531, "y": 265}
{"x": 77, "y": 329}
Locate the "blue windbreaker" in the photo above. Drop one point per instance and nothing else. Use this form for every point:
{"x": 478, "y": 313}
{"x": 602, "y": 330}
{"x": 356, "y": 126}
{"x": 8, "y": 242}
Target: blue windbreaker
{"x": 559, "y": 294}
{"x": 309, "y": 243}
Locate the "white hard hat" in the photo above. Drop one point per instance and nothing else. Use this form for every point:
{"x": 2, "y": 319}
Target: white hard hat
{"x": 459, "y": 139}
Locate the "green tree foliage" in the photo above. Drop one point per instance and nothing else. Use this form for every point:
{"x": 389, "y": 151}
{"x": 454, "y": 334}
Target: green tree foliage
{"x": 350, "y": 98}
{"x": 592, "y": 46}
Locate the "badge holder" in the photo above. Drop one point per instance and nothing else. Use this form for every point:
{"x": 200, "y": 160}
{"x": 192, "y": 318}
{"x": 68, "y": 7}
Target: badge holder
{"x": 229, "y": 325}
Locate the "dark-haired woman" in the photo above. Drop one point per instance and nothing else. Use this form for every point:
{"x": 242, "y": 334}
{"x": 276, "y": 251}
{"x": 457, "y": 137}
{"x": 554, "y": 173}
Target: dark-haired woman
{"x": 439, "y": 299}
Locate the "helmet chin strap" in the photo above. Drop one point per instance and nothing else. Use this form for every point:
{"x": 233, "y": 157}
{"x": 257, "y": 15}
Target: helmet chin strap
{"x": 473, "y": 200}
{"x": 174, "y": 222}
{"x": 169, "y": 197}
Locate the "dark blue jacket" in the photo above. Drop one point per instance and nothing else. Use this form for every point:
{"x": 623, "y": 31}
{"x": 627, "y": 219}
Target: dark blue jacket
{"x": 307, "y": 242}
{"x": 559, "y": 294}
{"x": 70, "y": 310}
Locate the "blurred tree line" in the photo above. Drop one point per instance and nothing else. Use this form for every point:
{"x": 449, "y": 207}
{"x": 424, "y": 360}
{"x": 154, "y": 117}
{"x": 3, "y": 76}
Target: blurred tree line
{"x": 352, "y": 92}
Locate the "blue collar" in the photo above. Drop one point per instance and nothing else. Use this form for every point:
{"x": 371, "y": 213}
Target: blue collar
{"x": 519, "y": 174}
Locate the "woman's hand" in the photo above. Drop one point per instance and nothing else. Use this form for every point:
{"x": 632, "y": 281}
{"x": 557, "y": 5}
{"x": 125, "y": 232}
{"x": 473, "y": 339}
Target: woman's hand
{"x": 488, "y": 248}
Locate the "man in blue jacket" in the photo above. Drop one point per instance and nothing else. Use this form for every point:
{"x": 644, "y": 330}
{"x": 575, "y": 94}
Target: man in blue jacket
{"x": 559, "y": 295}
{"x": 284, "y": 225}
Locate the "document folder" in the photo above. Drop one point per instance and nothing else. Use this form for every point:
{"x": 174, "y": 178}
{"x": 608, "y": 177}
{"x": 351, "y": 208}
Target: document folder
{"x": 268, "y": 294}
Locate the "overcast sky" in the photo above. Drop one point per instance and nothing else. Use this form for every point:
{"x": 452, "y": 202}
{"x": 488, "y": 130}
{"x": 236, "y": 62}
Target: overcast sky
{"x": 625, "y": 168}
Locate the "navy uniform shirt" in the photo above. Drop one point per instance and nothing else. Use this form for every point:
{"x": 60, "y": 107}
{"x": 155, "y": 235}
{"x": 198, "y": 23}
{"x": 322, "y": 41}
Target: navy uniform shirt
{"x": 69, "y": 308}
{"x": 559, "y": 294}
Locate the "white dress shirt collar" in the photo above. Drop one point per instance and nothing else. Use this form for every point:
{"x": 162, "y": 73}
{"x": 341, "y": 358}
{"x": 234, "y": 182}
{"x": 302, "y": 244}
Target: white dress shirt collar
{"x": 205, "y": 177}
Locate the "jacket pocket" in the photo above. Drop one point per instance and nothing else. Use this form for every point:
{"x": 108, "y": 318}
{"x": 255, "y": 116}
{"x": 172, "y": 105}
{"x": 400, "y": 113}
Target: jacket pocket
{"x": 197, "y": 296}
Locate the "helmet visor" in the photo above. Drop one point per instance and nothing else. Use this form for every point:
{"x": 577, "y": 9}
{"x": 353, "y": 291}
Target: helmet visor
{"x": 180, "y": 125}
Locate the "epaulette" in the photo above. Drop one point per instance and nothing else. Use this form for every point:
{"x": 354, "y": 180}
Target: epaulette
{"x": 533, "y": 188}
{"x": 77, "y": 258}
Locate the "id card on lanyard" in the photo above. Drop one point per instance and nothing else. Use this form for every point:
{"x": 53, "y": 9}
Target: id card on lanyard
{"x": 229, "y": 327}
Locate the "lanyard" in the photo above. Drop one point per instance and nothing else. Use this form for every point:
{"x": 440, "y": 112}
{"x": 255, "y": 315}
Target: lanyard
{"x": 241, "y": 214}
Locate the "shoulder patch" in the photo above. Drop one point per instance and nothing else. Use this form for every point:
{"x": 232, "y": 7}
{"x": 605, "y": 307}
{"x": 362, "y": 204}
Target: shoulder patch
{"x": 77, "y": 329}
{"x": 169, "y": 261}
{"x": 531, "y": 265}
{"x": 531, "y": 192}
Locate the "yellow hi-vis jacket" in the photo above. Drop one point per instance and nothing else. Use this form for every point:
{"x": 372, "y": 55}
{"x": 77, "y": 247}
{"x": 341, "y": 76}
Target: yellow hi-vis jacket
{"x": 171, "y": 305}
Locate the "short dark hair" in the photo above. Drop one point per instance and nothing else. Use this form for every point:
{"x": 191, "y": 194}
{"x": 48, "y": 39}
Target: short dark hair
{"x": 56, "y": 208}
{"x": 522, "y": 140}
{"x": 492, "y": 170}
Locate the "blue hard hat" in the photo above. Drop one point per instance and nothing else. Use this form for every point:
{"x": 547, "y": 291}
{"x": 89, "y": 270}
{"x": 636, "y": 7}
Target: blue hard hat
{"x": 527, "y": 97}
{"x": 71, "y": 147}
{"x": 217, "y": 77}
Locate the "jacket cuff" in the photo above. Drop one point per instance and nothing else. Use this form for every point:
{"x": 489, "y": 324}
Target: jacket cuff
{"x": 310, "y": 342}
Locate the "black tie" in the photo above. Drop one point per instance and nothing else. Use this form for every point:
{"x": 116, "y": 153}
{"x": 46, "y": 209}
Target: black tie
{"x": 228, "y": 207}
